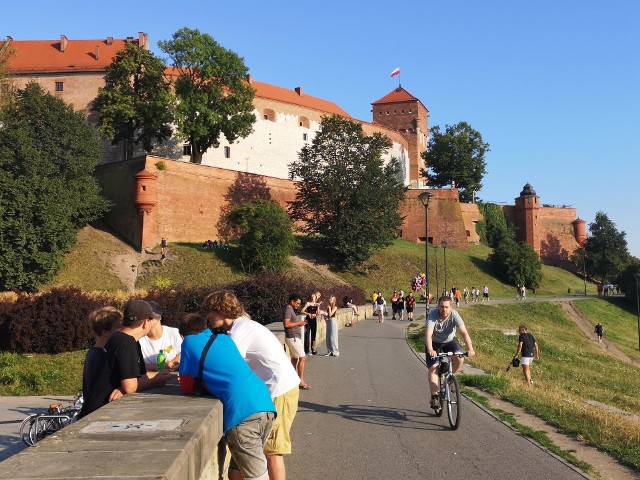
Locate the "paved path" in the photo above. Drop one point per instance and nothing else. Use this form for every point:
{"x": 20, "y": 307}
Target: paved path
{"x": 367, "y": 416}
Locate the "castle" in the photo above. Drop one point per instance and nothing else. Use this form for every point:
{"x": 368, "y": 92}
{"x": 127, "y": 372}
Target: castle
{"x": 165, "y": 195}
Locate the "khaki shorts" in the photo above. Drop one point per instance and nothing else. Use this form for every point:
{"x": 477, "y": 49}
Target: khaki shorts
{"x": 296, "y": 347}
{"x": 246, "y": 443}
{"x": 279, "y": 441}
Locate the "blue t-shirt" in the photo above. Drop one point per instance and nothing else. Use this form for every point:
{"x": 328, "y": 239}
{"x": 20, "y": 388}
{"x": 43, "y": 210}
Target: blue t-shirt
{"x": 227, "y": 376}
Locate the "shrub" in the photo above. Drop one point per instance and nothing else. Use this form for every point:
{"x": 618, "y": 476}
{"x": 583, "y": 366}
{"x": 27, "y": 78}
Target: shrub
{"x": 161, "y": 165}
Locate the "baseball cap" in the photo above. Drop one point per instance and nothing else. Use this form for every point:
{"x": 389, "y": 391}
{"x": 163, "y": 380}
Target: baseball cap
{"x": 137, "y": 310}
{"x": 155, "y": 306}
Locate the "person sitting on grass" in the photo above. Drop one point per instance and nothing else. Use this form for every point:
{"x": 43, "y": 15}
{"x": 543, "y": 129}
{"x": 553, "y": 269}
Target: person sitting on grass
{"x": 248, "y": 411}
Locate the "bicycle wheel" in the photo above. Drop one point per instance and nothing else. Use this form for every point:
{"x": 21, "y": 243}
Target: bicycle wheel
{"x": 42, "y": 427}
{"x": 25, "y": 428}
{"x": 453, "y": 404}
{"x": 441, "y": 397}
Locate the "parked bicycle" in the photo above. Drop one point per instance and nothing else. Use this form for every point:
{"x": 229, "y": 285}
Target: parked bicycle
{"x": 40, "y": 425}
{"x": 449, "y": 389}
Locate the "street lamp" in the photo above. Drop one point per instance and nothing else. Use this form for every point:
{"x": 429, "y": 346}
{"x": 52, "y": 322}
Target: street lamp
{"x": 424, "y": 198}
{"x": 133, "y": 278}
{"x": 584, "y": 269}
{"x": 437, "y": 281}
{"x": 444, "y": 247}
{"x": 637, "y": 276}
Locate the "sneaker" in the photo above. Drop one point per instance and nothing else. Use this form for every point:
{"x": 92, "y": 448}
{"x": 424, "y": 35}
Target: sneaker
{"x": 328, "y": 354}
{"x": 435, "y": 402}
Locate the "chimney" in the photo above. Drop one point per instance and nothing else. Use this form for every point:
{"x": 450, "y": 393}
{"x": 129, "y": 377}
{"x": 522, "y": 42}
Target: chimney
{"x": 143, "y": 40}
{"x": 129, "y": 39}
{"x": 249, "y": 79}
{"x": 299, "y": 91}
{"x": 109, "y": 41}
{"x": 97, "y": 52}
{"x": 63, "y": 43}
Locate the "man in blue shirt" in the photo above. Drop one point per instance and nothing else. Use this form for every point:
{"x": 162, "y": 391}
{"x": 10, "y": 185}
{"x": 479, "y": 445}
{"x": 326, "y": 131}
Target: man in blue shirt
{"x": 248, "y": 410}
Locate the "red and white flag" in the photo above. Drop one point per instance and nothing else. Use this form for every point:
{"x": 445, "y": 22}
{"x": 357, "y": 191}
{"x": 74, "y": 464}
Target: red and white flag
{"x": 395, "y": 72}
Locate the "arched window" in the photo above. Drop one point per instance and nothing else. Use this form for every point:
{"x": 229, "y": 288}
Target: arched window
{"x": 269, "y": 114}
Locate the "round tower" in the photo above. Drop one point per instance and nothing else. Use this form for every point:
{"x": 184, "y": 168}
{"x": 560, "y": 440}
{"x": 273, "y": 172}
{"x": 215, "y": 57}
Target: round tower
{"x": 527, "y": 207}
{"x": 580, "y": 230}
{"x": 146, "y": 197}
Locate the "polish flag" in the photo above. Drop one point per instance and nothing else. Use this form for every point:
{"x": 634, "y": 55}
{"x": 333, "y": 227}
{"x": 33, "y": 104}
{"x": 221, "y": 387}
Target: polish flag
{"x": 395, "y": 72}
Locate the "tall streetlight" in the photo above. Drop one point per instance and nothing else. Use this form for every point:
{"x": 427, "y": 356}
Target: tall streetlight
{"x": 637, "y": 276}
{"x": 424, "y": 198}
{"x": 444, "y": 247}
{"x": 134, "y": 274}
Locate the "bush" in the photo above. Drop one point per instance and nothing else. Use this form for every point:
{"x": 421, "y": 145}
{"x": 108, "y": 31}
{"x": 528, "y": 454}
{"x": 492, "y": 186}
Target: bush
{"x": 53, "y": 322}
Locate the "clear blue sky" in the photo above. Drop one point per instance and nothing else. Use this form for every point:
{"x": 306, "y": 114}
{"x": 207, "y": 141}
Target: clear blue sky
{"x": 553, "y": 86}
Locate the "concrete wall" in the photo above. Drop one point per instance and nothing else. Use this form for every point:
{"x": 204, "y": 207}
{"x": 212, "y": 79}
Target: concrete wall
{"x": 158, "y": 435}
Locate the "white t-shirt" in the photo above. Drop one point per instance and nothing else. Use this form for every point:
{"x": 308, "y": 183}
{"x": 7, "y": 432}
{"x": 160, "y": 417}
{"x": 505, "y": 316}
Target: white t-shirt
{"x": 265, "y": 355}
{"x": 170, "y": 343}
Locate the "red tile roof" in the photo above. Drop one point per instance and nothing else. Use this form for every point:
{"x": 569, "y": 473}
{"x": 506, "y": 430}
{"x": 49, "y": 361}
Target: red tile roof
{"x": 272, "y": 92}
{"x": 395, "y": 96}
{"x": 40, "y": 56}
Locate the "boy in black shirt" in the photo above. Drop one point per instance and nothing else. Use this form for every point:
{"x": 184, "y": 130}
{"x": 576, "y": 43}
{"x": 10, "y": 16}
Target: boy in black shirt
{"x": 121, "y": 369}
{"x": 528, "y": 348}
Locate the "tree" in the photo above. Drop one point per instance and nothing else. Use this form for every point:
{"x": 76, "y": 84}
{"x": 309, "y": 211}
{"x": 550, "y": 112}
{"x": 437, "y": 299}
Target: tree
{"x": 346, "y": 193}
{"x": 48, "y": 154}
{"x": 606, "y": 249}
{"x": 457, "y": 155}
{"x": 213, "y": 95}
{"x": 494, "y": 228}
{"x": 135, "y": 104}
{"x": 516, "y": 263}
{"x": 6, "y": 84}
{"x": 265, "y": 240}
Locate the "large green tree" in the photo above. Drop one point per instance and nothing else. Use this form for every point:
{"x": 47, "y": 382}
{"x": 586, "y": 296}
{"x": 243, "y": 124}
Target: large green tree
{"x": 134, "y": 106}
{"x": 607, "y": 254}
{"x": 346, "y": 193}
{"x": 266, "y": 240}
{"x": 494, "y": 227}
{"x": 48, "y": 154}
{"x": 213, "y": 95}
{"x": 516, "y": 263}
{"x": 456, "y": 155}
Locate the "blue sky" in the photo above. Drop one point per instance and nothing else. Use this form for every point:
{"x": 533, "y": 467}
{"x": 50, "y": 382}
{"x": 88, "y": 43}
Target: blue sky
{"x": 553, "y": 86}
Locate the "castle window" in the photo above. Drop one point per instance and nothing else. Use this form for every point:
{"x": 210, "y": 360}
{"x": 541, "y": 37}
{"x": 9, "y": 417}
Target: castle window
{"x": 387, "y": 112}
{"x": 227, "y": 152}
{"x": 403, "y": 110}
{"x": 269, "y": 114}
{"x": 380, "y": 113}
{"x": 305, "y": 137}
{"x": 59, "y": 86}
{"x": 409, "y": 110}
{"x": 186, "y": 149}
{"x": 394, "y": 112}
{"x": 304, "y": 122}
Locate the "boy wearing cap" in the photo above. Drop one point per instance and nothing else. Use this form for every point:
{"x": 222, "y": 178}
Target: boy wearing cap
{"x": 122, "y": 367}
{"x": 164, "y": 338}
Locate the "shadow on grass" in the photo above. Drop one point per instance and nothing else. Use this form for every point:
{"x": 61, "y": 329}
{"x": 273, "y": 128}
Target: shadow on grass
{"x": 483, "y": 265}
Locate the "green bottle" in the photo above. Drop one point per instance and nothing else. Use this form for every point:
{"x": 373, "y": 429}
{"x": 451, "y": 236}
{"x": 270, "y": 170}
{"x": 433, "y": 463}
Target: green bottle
{"x": 161, "y": 361}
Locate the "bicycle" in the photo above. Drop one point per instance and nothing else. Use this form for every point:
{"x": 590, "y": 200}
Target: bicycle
{"x": 40, "y": 425}
{"x": 449, "y": 389}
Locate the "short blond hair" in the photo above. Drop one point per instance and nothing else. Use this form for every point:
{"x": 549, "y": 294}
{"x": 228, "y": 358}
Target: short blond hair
{"x": 225, "y": 303}
{"x": 103, "y": 319}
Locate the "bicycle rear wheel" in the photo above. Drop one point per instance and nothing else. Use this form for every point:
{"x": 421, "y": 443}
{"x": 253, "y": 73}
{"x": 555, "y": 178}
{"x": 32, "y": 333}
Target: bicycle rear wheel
{"x": 43, "y": 427}
{"x": 453, "y": 404}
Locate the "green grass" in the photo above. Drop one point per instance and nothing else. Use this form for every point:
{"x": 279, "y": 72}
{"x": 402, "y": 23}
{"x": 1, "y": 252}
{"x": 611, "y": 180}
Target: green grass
{"x": 40, "y": 374}
{"x": 572, "y": 370}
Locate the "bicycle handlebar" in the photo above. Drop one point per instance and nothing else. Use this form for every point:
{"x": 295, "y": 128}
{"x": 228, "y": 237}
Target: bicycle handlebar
{"x": 451, "y": 354}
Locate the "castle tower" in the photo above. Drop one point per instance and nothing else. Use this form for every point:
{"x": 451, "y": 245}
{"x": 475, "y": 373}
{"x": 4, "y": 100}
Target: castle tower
{"x": 527, "y": 207}
{"x": 580, "y": 230}
{"x": 145, "y": 200}
{"x": 403, "y": 112}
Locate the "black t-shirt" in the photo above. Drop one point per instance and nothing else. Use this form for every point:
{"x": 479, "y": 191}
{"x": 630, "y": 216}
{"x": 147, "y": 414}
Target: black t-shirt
{"x": 527, "y": 344}
{"x": 122, "y": 359}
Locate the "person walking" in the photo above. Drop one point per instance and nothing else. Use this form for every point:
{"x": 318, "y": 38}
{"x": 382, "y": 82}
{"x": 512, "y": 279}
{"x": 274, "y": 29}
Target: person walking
{"x": 293, "y": 337}
{"x": 394, "y": 305}
{"x": 380, "y": 305}
{"x": 599, "y": 331}
{"x": 411, "y": 304}
{"x": 528, "y": 350}
{"x": 400, "y": 306}
{"x": 332, "y": 329}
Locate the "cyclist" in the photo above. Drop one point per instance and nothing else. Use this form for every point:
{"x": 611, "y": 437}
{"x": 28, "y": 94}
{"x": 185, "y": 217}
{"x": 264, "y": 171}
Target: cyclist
{"x": 440, "y": 334}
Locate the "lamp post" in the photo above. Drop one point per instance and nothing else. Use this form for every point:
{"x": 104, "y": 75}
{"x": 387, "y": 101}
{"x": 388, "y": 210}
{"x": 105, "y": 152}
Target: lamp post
{"x": 424, "y": 198}
{"x": 134, "y": 269}
{"x": 584, "y": 269}
{"x": 637, "y": 277}
{"x": 437, "y": 281}
{"x": 444, "y": 247}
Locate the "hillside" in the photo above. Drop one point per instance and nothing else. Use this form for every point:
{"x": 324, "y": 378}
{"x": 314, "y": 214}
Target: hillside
{"x": 101, "y": 261}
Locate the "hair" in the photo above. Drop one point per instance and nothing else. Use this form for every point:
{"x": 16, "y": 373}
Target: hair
{"x": 103, "y": 319}
{"x": 294, "y": 296}
{"x": 522, "y": 327}
{"x": 332, "y": 297}
{"x": 192, "y": 324}
{"x": 225, "y": 303}
{"x": 444, "y": 298}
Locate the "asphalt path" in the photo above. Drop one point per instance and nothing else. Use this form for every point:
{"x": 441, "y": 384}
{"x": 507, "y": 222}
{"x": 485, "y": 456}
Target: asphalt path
{"x": 367, "y": 416}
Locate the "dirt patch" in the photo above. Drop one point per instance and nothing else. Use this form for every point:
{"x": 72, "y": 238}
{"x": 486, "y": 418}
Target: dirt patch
{"x": 320, "y": 269}
{"x": 606, "y": 466}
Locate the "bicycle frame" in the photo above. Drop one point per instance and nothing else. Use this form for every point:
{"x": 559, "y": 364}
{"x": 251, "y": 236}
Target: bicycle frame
{"x": 39, "y": 425}
{"x": 448, "y": 388}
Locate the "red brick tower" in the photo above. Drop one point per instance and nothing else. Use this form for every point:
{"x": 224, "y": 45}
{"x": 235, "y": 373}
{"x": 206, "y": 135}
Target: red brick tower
{"x": 527, "y": 207}
{"x": 405, "y": 113}
{"x": 145, "y": 200}
{"x": 580, "y": 229}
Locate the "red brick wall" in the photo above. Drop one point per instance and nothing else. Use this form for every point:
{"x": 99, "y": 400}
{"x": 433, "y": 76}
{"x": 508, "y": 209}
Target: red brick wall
{"x": 471, "y": 215}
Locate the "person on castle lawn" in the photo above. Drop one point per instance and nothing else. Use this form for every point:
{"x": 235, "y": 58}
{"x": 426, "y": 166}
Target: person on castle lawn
{"x": 411, "y": 304}
{"x": 440, "y": 335}
{"x": 247, "y": 409}
{"x": 485, "y": 294}
{"x": 164, "y": 338}
{"x": 293, "y": 337}
{"x": 599, "y": 331}
{"x": 266, "y": 357}
{"x": 122, "y": 367}
{"x": 528, "y": 350}
{"x": 163, "y": 245}
{"x": 104, "y": 322}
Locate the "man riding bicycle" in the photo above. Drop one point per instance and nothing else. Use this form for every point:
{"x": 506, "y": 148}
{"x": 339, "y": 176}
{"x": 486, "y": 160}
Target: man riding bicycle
{"x": 440, "y": 334}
